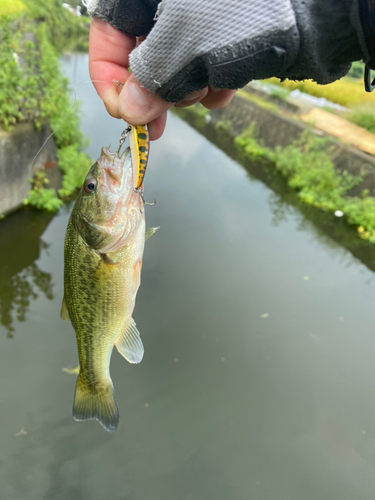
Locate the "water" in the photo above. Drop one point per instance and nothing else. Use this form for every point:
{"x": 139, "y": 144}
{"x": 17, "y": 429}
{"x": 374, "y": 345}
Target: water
{"x": 258, "y": 375}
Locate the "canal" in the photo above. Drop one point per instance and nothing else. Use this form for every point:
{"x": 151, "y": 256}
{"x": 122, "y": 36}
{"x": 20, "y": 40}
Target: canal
{"x": 258, "y": 380}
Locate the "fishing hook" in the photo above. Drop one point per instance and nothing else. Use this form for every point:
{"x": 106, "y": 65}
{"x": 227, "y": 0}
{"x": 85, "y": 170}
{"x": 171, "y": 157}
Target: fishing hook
{"x": 145, "y": 202}
{"x": 122, "y": 139}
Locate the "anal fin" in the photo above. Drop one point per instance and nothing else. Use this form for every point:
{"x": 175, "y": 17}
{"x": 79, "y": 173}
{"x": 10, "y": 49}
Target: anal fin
{"x": 130, "y": 344}
{"x": 64, "y": 314}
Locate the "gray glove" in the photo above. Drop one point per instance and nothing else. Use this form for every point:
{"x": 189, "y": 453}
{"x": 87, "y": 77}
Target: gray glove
{"x": 226, "y": 43}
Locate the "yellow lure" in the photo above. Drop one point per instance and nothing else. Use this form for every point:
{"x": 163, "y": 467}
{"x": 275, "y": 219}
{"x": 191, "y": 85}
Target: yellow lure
{"x": 139, "y": 147}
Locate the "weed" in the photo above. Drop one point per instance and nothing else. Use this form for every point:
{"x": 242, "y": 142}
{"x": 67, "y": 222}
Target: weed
{"x": 75, "y": 166}
{"x": 224, "y": 125}
{"x": 248, "y": 144}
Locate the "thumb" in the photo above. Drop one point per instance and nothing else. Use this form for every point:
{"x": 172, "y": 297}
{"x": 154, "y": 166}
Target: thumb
{"x": 137, "y": 105}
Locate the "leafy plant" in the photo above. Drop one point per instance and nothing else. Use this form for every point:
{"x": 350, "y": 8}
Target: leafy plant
{"x": 75, "y": 166}
{"x": 248, "y": 143}
{"x": 44, "y": 199}
{"x": 309, "y": 169}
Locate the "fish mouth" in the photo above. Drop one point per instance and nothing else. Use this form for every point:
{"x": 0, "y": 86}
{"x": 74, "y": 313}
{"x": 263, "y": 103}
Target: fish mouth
{"x": 114, "y": 170}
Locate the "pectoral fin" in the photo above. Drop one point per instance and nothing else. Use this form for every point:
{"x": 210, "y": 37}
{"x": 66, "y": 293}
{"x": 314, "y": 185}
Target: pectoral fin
{"x": 108, "y": 260}
{"x": 150, "y": 231}
{"x": 64, "y": 314}
{"x": 130, "y": 344}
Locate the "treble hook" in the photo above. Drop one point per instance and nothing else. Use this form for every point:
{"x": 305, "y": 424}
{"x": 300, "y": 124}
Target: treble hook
{"x": 145, "y": 202}
{"x": 122, "y": 139}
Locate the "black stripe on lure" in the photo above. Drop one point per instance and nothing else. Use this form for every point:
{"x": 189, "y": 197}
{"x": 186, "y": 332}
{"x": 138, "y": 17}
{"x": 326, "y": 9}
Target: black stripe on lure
{"x": 139, "y": 148}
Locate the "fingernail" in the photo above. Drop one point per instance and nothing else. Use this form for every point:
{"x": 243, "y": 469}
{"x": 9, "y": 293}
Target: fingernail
{"x": 133, "y": 101}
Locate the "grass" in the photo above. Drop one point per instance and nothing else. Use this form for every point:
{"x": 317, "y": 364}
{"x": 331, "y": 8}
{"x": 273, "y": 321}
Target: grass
{"x": 347, "y": 92}
{"x": 263, "y": 103}
{"x": 12, "y": 8}
{"x": 363, "y": 116}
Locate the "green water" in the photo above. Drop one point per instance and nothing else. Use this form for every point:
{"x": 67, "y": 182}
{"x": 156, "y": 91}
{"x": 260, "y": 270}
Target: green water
{"x": 258, "y": 380}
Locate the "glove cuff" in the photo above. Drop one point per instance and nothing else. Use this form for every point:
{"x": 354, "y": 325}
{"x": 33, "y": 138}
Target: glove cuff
{"x": 364, "y": 19}
{"x": 329, "y": 40}
{"x": 133, "y": 17}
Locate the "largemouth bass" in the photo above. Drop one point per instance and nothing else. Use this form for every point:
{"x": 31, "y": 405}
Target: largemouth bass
{"x": 103, "y": 259}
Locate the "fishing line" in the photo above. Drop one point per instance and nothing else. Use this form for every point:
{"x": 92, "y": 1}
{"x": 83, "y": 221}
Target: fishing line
{"x": 54, "y": 132}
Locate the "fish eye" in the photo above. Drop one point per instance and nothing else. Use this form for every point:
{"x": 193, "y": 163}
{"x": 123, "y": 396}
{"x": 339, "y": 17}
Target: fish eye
{"x": 90, "y": 185}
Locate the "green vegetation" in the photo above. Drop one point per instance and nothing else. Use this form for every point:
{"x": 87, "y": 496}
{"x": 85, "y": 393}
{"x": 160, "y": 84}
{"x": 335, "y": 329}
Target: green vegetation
{"x": 62, "y": 26}
{"x": 249, "y": 144}
{"x": 263, "y": 103}
{"x": 357, "y": 70}
{"x": 73, "y": 177}
{"x": 223, "y": 126}
{"x": 347, "y": 92}
{"x": 309, "y": 170}
{"x": 363, "y": 116}
{"x": 13, "y": 8}
{"x": 33, "y": 89}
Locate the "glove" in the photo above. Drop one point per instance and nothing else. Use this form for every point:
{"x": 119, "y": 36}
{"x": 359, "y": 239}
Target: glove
{"x": 191, "y": 44}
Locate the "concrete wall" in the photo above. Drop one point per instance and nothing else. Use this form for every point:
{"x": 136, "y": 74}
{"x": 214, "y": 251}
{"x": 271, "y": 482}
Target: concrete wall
{"x": 17, "y": 151}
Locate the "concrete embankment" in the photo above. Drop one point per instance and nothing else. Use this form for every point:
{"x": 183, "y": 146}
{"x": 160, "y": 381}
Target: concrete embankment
{"x": 17, "y": 165}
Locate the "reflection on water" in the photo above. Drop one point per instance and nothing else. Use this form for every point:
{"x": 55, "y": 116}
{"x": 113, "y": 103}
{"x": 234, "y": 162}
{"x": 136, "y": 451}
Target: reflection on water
{"x": 21, "y": 278}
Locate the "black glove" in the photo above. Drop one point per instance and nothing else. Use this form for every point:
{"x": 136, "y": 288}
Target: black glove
{"x": 226, "y": 43}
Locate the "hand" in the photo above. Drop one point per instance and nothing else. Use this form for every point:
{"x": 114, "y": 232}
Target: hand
{"x": 109, "y": 51}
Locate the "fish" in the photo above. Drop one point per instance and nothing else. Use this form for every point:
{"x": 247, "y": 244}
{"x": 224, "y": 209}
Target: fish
{"x": 103, "y": 256}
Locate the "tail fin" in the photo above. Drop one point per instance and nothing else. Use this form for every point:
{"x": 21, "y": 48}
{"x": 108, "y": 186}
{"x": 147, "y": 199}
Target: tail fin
{"x": 100, "y": 405}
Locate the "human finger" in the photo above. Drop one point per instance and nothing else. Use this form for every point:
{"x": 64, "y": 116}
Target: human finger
{"x": 192, "y": 98}
{"x": 156, "y": 127}
{"x": 109, "y": 51}
{"x": 217, "y": 98}
{"x": 138, "y": 105}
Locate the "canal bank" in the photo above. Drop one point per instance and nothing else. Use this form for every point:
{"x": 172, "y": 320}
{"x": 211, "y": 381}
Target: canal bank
{"x": 324, "y": 172}
{"x": 25, "y": 153}
{"x": 35, "y": 104}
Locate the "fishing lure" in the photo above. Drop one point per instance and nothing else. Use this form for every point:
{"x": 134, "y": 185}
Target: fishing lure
{"x": 139, "y": 148}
